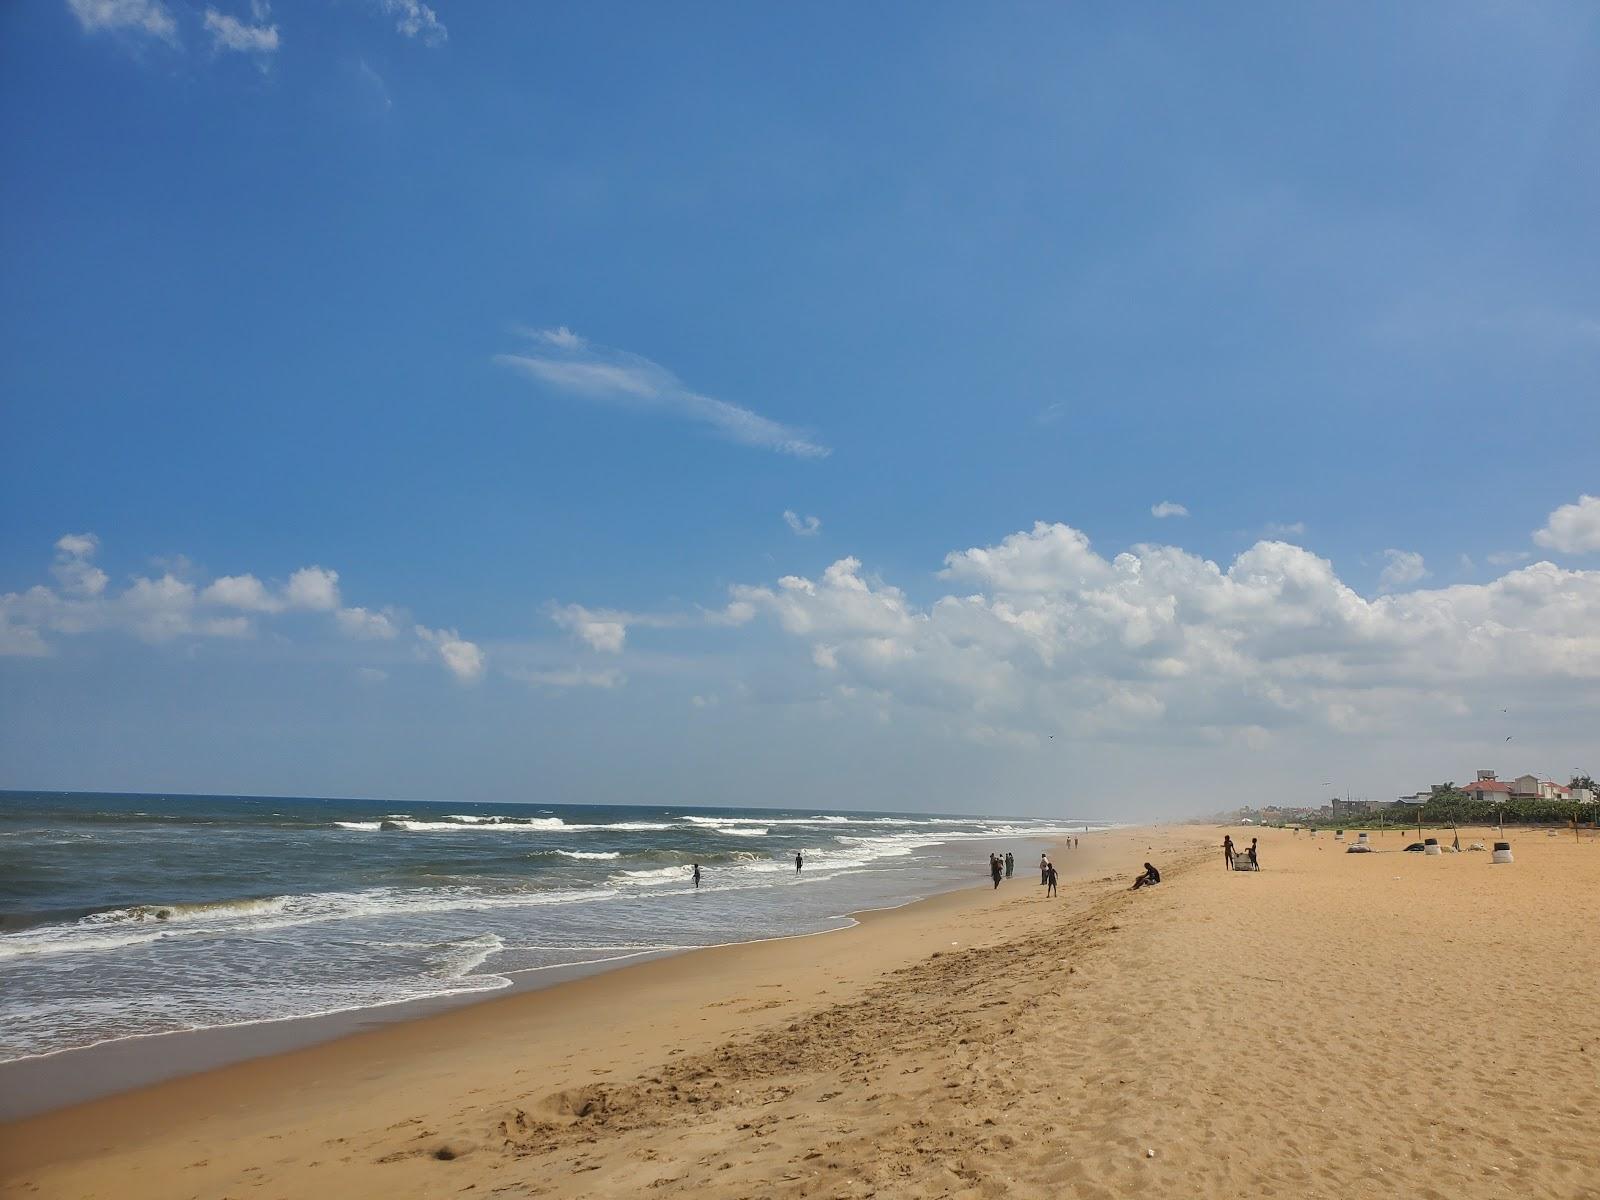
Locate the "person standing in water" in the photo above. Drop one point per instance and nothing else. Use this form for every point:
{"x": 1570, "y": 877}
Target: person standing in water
{"x": 995, "y": 868}
{"x": 697, "y": 875}
{"x": 799, "y": 861}
{"x": 1010, "y": 864}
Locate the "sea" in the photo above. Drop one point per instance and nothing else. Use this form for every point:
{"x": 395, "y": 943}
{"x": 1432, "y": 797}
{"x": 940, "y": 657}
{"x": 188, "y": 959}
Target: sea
{"x": 127, "y": 916}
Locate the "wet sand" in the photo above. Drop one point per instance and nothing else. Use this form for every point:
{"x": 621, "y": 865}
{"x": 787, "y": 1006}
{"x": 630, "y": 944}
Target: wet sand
{"x": 1336, "y": 1025}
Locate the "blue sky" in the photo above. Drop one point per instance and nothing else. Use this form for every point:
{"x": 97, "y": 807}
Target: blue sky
{"x": 532, "y": 323}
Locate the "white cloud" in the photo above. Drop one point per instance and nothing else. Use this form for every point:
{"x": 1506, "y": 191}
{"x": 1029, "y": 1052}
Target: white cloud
{"x": 177, "y": 604}
{"x": 464, "y": 659}
{"x": 603, "y": 631}
{"x": 1573, "y": 528}
{"x": 1405, "y": 568}
{"x": 1283, "y": 529}
{"x": 366, "y": 624}
{"x": 1168, "y": 508}
{"x": 802, "y": 526}
{"x": 313, "y": 588}
{"x": 416, "y": 20}
{"x": 567, "y": 363}
{"x": 230, "y": 33}
{"x": 1504, "y": 558}
{"x": 73, "y": 570}
{"x": 244, "y": 592}
{"x": 1048, "y": 635}
{"x": 148, "y": 17}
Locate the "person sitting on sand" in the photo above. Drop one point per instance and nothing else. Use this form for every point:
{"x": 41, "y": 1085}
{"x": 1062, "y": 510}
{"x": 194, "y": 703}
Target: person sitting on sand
{"x": 1227, "y": 851}
{"x": 1050, "y": 881}
{"x": 1150, "y": 878}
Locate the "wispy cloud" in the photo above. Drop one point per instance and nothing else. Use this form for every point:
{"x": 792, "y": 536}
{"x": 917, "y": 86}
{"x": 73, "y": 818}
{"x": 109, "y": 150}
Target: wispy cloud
{"x": 802, "y": 526}
{"x": 565, "y": 362}
{"x": 1405, "y": 568}
{"x": 1283, "y": 529}
{"x": 416, "y": 20}
{"x": 148, "y": 18}
{"x": 230, "y": 33}
{"x": 1168, "y": 508}
{"x": 1504, "y": 558}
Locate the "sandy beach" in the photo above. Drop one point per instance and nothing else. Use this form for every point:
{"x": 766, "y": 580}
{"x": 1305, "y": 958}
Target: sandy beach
{"x": 1335, "y": 1025}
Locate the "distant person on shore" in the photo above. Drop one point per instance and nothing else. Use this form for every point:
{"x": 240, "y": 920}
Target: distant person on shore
{"x": 1227, "y": 851}
{"x": 1150, "y": 878}
{"x": 1010, "y": 864}
{"x": 1044, "y": 870}
{"x": 996, "y": 868}
{"x": 799, "y": 861}
{"x": 1049, "y": 880}
{"x": 697, "y": 875}
{"x": 1254, "y": 861}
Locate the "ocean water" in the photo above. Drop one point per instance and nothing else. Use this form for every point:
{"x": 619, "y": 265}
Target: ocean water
{"x": 124, "y": 915}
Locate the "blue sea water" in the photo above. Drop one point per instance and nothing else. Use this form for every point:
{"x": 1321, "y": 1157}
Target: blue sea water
{"x": 126, "y": 915}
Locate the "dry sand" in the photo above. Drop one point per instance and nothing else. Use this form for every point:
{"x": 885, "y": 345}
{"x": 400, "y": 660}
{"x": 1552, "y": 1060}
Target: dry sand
{"x": 1337, "y": 1025}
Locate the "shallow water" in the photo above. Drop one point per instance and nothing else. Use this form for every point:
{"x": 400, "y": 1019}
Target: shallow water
{"x": 129, "y": 915}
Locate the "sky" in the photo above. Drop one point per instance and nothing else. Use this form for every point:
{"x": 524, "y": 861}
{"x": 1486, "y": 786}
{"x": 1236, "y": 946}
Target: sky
{"x": 1094, "y": 410}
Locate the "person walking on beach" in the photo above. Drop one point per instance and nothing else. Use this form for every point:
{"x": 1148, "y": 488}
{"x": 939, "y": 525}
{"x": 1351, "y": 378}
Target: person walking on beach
{"x": 799, "y": 861}
{"x": 697, "y": 875}
{"x": 1227, "y": 851}
{"x": 995, "y": 868}
{"x": 1010, "y": 864}
{"x": 1049, "y": 881}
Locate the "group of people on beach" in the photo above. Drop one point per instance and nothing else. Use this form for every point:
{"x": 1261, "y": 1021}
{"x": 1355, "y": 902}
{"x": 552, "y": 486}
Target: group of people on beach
{"x": 1231, "y": 855}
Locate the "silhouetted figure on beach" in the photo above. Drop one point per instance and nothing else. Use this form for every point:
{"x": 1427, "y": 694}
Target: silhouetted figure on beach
{"x": 697, "y": 875}
{"x": 996, "y": 868}
{"x": 799, "y": 861}
{"x": 1227, "y": 851}
{"x": 1010, "y": 864}
{"x": 1049, "y": 881}
{"x": 1254, "y": 861}
{"x": 1150, "y": 877}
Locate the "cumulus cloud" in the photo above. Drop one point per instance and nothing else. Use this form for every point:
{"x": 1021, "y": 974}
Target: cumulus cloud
{"x": 1168, "y": 508}
{"x": 175, "y": 604}
{"x": 1405, "y": 567}
{"x": 802, "y": 526}
{"x": 416, "y": 20}
{"x": 565, "y": 362}
{"x": 230, "y": 33}
{"x": 1047, "y": 634}
{"x": 1573, "y": 528}
{"x": 464, "y": 659}
{"x": 148, "y": 18}
{"x": 363, "y": 623}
